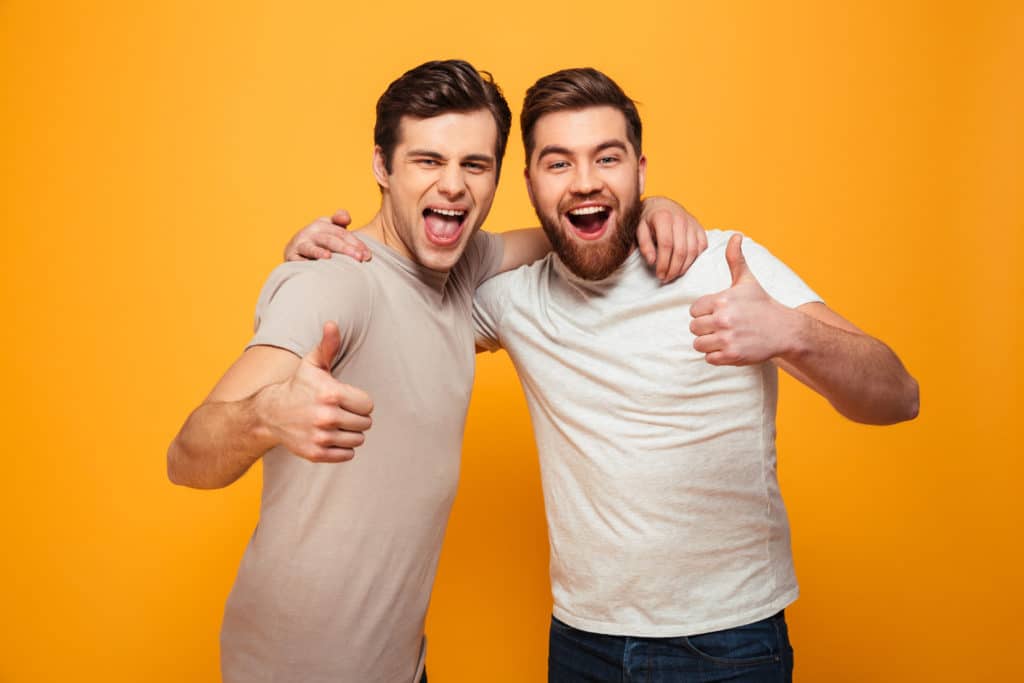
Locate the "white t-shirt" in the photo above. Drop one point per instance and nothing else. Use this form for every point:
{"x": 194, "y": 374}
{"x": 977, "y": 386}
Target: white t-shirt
{"x": 659, "y": 471}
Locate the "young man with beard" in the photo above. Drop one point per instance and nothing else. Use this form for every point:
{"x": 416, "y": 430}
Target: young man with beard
{"x": 335, "y": 582}
{"x": 654, "y": 410}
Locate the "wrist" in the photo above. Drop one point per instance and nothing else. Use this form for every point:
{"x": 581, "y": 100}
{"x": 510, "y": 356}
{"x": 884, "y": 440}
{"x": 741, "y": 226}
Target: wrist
{"x": 796, "y": 333}
{"x": 259, "y": 417}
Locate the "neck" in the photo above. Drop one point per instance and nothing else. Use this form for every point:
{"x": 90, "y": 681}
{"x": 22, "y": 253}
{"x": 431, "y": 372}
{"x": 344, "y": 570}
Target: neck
{"x": 382, "y": 228}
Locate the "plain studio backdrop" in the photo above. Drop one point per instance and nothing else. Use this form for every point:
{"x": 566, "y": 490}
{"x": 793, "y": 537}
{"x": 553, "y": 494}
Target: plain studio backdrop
{"x": 157, "y": 156}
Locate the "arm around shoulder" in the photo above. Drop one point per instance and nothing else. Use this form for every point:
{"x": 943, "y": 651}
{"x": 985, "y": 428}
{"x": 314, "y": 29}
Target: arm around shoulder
{"x": 523, "y": 247}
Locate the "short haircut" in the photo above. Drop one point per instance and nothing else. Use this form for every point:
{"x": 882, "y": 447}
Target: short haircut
{"x": 437, "y": 88}
{"x": 575, "y": 89}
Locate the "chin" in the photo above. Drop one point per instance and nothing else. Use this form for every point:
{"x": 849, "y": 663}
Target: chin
{"x": 439, "y": 259}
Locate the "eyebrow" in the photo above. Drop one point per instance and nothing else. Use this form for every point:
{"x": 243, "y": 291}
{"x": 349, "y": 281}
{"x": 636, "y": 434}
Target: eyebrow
{"x": 558, "y": 149}
{"x": 425, "y": 153}
{"x": 430, "y": 154}
{"x": 482, "y": 158}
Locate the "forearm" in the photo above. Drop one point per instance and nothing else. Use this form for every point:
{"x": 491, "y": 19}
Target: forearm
{"x": 218, "y": 443}
{"x": 859, "y": 375}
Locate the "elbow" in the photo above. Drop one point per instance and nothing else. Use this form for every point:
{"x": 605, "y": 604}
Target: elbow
{"x": 899, "y": 404}
{"x": 904, "y": 406}
{"x": 178, "y": 472}
{"x": 912, "y": 399}
{"x": 174, "y": 470}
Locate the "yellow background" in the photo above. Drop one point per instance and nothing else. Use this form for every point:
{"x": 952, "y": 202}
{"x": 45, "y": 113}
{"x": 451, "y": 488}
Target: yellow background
{"x": 156, "y": 156}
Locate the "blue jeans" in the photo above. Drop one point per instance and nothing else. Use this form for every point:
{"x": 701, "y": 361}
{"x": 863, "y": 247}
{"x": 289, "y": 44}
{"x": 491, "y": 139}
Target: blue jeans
{"x": 755, "y": 653}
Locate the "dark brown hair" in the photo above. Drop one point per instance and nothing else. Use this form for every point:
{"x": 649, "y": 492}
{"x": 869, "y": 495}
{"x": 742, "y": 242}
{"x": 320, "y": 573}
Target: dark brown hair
{"x": 436, "y": 88}
{"x": 572, "y": 89}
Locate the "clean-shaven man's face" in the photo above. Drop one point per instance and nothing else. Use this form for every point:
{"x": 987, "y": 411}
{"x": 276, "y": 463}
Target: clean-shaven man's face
{"x": 585, "y": 182}
{"x": 442, "y": 182}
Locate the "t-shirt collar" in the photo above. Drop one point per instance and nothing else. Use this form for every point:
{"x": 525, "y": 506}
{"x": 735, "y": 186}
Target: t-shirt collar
{"x": 435, "y": 279}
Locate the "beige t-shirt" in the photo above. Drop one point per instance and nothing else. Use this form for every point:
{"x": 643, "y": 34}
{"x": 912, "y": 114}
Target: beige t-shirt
{"x": 335, "y": 582}
{"x": 659, "y": 471}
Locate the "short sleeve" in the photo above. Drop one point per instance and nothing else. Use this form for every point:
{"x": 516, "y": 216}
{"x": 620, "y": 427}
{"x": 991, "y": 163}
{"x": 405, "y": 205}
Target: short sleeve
{"x": 482, "y": 258}
{"x": 781, "y": 283}
{"x": 488, "y": 305}
{"x": 298, "y": 298}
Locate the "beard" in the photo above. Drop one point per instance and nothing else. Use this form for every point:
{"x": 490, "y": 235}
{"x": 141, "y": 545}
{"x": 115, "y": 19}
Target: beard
{"x": 599, "y": 259}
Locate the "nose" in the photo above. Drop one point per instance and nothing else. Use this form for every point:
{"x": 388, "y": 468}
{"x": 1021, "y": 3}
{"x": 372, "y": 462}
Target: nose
{"x": 586, "y": 180}
{"x": 452, "y": 182}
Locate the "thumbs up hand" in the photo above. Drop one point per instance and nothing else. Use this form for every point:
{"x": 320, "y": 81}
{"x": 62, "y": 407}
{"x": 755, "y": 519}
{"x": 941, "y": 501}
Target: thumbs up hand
{"x": 741, "y": 325}
{"x": 312, "y": 414}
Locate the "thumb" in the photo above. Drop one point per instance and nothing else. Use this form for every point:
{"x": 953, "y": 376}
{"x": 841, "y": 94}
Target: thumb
{"x": 323, "y": 355}
{"x": 737, "y": 263}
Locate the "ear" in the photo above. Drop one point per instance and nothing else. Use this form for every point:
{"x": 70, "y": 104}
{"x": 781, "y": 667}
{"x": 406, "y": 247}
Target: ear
{"x": 641, "y": 173}
{"x": 380, "y": 171}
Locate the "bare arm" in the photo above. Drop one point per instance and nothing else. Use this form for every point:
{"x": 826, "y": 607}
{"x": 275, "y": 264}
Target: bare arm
{"x": 669, "y": 238}
{"x": 270, "y": 397}
{"x": 522, "y": 247}
{"x": 858, "y": 374}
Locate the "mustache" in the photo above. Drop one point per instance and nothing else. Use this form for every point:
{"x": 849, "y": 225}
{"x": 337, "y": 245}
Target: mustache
{"x": 566, "y": 204}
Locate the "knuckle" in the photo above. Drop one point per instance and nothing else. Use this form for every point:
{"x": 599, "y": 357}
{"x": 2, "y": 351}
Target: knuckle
{"x": 323, "y": 416}
{"x": 327, "y": 395}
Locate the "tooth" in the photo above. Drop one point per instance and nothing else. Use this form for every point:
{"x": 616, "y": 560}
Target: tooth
{"x": 587, "y": 210}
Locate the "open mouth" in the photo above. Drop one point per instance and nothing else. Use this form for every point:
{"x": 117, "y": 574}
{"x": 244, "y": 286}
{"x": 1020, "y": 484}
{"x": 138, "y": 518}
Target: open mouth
{"x": 589, "y": 222}
{"x": 444, "y": 226}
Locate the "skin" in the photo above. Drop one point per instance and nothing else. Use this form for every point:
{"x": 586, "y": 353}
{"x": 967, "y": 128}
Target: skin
{"x": 271, "y": 397}
{"x": 585, "y": 160}
{"x": 438, "y": 164}
{"x": 858, "y": 374}
{"x": 585, "y": 153}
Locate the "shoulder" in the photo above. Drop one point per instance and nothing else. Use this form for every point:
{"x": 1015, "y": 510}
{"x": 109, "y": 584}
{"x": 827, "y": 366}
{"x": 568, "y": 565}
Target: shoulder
{"x": 299, "y": 297}
{"x": 779, "y": 280}
{"x": 336, "y": 288}
{"x": 323, "y": 279}
{"x": 481, "y": 259}
{"x": 712, "y": 265}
